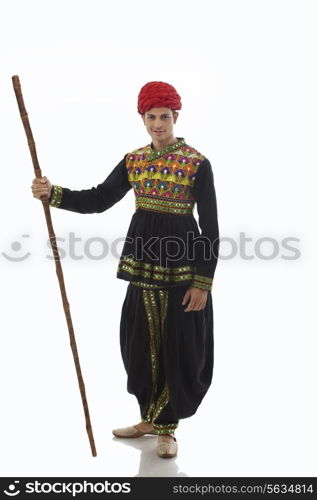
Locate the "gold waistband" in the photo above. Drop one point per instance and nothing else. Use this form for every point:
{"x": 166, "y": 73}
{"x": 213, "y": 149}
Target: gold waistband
{"x": 164, "y": 205}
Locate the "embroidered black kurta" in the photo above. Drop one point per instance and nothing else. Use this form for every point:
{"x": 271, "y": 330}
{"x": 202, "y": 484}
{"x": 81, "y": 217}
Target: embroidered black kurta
{"x": 163, "y": 246}
{"x": 167, "y": 353}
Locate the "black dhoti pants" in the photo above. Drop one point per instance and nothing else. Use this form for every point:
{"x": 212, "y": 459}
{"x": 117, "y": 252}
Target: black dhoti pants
{"x": 168, "y": 354}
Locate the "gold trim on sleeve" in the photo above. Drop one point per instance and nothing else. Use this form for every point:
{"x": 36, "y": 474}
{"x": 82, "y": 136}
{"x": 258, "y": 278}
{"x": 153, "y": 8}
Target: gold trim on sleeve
{"x": 57, "y": 195}
{"x": 203, "y": 282}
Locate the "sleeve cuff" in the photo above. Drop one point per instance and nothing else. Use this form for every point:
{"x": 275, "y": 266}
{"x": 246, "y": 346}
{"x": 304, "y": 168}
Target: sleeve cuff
{"x": 203, "y": 282}
{"x": 56, "y": 196}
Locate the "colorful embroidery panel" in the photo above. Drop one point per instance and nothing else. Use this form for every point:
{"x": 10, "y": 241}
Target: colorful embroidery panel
{"x": 167, "y": 176}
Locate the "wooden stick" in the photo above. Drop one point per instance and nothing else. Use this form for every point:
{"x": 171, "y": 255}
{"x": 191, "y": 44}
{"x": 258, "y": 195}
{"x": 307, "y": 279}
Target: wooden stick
{"x": 59, "y": 272}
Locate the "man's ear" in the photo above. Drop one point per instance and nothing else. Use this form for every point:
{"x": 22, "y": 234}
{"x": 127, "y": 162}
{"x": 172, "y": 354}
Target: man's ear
{"x": 175, "y": 116}
{"x": 143, "y": 118}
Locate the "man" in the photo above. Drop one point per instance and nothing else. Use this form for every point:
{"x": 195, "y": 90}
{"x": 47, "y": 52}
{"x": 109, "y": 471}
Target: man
{"x": 166, "y": 327}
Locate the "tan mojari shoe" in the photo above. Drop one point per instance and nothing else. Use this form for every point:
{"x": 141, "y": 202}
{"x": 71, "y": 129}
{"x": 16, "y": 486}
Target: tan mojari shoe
{"x": 166, "y": 450}
{"x": 130, "y": 432}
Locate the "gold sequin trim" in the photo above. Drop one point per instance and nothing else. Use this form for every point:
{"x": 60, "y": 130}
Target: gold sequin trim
{"x": 165, "y": 429}
{"x": 164, "y": 205}
{"x": 142, "y": 284}
{"x": 163, "y": 294}
{"x": 57, "y": 193}
{"x": 161, "y": 402}
{"x": 155, "y": 272}
{"x": 202, "y": 282}
{"x": 153, "y": 321}
{"x": 156, "y": 328}
{"x": 167, "y": 149}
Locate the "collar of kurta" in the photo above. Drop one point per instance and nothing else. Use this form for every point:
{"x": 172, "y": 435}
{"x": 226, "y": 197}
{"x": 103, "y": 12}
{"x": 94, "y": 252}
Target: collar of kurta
{"x": 172, "y": 147}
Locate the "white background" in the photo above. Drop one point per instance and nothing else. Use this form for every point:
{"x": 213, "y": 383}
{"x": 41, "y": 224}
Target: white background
{"x": 246, "y": 72}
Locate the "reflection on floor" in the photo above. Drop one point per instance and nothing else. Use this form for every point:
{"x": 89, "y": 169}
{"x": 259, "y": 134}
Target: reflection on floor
{"x": 150, "y": 463}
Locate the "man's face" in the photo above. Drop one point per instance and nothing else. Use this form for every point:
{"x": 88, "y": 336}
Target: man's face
{"x": 159, "y": 123}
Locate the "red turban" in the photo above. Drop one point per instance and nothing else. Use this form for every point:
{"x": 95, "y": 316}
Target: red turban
{"x": 158, "y": 95}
